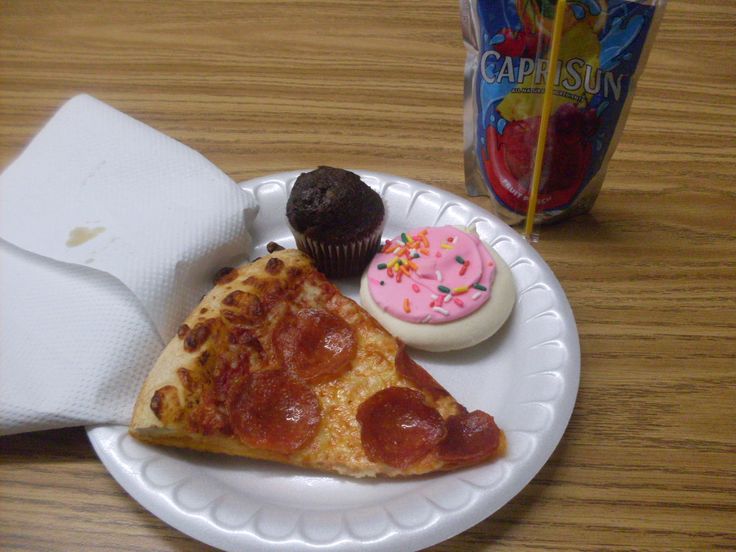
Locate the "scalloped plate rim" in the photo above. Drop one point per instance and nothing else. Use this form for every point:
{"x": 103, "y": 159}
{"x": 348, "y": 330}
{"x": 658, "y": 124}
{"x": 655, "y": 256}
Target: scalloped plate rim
{"x": 443, "y": 524}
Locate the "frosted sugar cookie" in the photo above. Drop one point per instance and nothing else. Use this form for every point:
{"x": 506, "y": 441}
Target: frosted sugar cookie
{"x": 438, "y": 288}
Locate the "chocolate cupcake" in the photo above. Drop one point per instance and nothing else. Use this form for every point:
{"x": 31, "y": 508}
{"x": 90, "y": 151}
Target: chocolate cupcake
{"x": 336, "y": 219}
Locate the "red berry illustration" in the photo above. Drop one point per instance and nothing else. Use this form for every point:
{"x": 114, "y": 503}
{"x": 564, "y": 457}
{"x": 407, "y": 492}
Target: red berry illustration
{"x": 568, "y": 123}
{"x": 513, "y": 43}
{"x": 567, "y": 154}
{"x": 519, "y": 142}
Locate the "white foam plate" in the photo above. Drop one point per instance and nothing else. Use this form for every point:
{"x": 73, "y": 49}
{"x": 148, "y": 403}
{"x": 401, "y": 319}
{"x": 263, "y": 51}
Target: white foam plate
{"x": 526, "y": 376}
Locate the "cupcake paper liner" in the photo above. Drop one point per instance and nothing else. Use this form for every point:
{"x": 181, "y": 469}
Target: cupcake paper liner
{"x": 340, "y": 260}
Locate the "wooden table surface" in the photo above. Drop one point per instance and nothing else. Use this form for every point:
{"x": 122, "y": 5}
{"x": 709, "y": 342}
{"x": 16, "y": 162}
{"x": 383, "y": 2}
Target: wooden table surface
{"x": 648, "y": 461}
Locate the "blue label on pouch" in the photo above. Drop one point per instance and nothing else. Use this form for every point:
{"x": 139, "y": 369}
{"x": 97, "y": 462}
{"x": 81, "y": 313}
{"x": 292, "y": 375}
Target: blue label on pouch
{"x": 601, "y": 48}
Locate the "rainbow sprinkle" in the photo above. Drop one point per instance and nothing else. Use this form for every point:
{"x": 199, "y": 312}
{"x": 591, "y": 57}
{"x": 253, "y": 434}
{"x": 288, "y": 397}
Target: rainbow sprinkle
{"x": 399, "y": 262}
{"x": 404, "y": 251}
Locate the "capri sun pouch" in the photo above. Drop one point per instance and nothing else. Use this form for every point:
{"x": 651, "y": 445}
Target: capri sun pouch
{"x": 605, "y": 44}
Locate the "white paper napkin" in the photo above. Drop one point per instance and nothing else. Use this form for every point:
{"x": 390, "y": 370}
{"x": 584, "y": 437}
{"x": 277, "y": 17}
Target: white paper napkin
{"x": 111, "y": 232}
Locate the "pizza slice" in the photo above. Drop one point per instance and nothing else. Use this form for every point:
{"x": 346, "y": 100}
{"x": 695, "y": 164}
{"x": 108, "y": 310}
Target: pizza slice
{"x": 276, "y": 364}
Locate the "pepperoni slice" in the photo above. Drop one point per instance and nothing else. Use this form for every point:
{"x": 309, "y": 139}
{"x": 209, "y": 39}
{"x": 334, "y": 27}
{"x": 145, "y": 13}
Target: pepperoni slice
{"x": 398, "y": 428}
{"x": 417, "y": 375}
{"x": 471, "y": 437}
{"x": 316, "y": 344}
{"x": 274, "y": 410}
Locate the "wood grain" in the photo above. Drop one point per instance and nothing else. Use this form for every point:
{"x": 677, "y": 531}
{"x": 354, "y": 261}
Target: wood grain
{"x": 647, "y": 462}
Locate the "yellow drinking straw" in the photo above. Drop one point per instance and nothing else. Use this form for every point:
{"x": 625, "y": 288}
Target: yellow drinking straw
{"x": 554, "y": 54}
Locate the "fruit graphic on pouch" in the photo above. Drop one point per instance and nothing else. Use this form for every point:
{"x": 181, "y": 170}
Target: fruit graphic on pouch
{"x": 568, "y": 152}
{"x": 520, "y": 43}
{"x": 540, "y": 14}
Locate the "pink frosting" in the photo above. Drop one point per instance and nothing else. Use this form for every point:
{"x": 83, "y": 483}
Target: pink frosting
{"x": 447, "y": 274}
